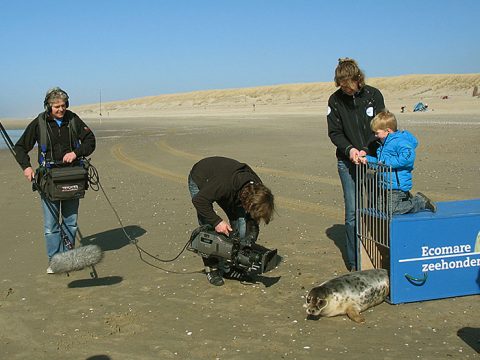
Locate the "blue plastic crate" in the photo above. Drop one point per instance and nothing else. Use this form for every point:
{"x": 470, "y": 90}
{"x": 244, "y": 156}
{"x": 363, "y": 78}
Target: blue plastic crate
{"x": 435, "y": 256}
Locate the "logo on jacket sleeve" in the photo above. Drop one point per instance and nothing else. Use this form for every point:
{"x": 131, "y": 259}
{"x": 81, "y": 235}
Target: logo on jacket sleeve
{"x": 328, "y": 110}
{"x": 369, "y": 111}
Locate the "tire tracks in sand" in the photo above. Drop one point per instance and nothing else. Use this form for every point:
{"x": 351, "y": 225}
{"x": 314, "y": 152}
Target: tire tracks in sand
{"x": 283, "y": 202}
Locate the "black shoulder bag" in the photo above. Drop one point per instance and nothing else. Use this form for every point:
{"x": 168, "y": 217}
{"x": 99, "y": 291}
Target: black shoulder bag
{"x": 57, "y": 182}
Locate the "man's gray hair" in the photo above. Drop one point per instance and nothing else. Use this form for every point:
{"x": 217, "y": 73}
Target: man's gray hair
{"x": 53, "y": 94}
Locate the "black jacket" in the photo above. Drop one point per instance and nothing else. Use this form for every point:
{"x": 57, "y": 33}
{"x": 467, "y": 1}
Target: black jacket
{"x": 349, "y": 118}
{"x": 220, "y": 180}
{"x": 59, "y": 138}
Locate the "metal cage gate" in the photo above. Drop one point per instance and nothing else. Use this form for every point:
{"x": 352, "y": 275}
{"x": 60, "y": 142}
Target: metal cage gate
{"x": 373, "y": 207}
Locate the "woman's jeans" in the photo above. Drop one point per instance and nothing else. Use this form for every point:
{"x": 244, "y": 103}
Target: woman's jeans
{"x": 347, "y": 173}
{"x": 51, "y": 221}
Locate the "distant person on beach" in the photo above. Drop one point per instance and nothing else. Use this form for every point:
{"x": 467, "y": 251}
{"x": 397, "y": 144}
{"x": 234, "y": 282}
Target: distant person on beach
{"x": 397, "y": 150}
{"x": 350, "y": 110}
{"x": 238, "y": 190}
{"x": 63, "y": 145}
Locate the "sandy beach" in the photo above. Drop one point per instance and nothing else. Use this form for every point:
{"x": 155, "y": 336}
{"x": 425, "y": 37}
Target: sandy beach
{"x": 142, "y": 308}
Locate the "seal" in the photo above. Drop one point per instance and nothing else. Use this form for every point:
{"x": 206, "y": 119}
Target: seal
{"x": 348, "y": 294}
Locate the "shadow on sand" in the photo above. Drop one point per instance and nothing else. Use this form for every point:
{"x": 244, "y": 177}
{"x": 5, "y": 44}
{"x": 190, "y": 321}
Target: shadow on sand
{"x": 114, "y": 239}
{"x": 105, "y": 281}
{"x": 336, "y": 233}
{"x": 471, "y": 336}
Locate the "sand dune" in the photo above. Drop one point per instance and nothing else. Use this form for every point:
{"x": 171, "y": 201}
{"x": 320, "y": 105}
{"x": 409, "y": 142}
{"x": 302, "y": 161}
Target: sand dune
{"x": 297, "y": 98}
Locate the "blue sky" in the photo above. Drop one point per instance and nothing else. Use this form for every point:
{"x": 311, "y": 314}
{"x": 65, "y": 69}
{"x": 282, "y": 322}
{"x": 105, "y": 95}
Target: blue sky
{"x": 139, "y": 48}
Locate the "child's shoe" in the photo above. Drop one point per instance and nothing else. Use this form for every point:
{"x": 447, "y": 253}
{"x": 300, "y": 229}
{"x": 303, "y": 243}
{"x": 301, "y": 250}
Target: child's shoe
{"x": 429, "y": 204}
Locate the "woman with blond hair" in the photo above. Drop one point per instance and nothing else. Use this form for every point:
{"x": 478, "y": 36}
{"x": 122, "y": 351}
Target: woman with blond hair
{"x": 350, "y": 110}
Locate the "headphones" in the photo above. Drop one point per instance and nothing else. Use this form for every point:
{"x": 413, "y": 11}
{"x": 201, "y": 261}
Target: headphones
{"x": 52, "y": 92}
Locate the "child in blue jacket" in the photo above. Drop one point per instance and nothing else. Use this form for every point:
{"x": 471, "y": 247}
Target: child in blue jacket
{"x": 397, "y": 150}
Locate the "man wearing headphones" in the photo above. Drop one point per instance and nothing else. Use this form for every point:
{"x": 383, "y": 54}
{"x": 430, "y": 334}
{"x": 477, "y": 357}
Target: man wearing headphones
{"x": 67, "y": 138}
{"x": 238, "y": 190}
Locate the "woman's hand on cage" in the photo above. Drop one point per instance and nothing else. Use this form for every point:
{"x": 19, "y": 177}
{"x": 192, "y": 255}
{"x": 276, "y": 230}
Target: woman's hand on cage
{"x": 363, "y": 159}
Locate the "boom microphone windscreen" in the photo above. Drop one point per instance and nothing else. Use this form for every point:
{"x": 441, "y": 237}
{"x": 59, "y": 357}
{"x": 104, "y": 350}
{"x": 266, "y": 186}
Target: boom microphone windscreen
{"x": 76, "y": 259}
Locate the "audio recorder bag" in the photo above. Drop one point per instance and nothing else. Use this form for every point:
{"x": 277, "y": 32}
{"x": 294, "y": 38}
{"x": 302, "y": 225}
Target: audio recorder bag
{"x": 63, "y": 183}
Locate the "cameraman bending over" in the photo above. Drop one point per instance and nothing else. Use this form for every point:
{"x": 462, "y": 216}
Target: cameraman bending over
{"x": 236, "y": 188}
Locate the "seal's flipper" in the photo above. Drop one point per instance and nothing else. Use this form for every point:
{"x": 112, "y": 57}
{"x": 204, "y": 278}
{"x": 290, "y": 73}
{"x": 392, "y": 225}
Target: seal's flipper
{"x": 355, "y": 315}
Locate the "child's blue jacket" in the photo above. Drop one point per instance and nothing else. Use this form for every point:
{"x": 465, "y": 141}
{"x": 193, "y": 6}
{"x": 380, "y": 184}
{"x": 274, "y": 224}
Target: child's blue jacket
{"x": 398, "y": 151}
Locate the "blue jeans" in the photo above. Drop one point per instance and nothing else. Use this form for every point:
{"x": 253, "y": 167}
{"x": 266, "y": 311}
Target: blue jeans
{"x": 347, "y": 173}
{"x": 51, "y": 220}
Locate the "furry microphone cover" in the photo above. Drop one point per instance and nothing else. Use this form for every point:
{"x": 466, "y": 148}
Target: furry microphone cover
{"x": 76, "y": 259}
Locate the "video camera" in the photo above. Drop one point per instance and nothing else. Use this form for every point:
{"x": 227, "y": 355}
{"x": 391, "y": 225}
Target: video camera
{"x": 241, "y": 253}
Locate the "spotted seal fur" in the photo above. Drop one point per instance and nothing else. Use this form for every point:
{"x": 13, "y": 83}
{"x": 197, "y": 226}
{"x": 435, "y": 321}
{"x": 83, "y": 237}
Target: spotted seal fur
{"x": 348, "y": 294}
